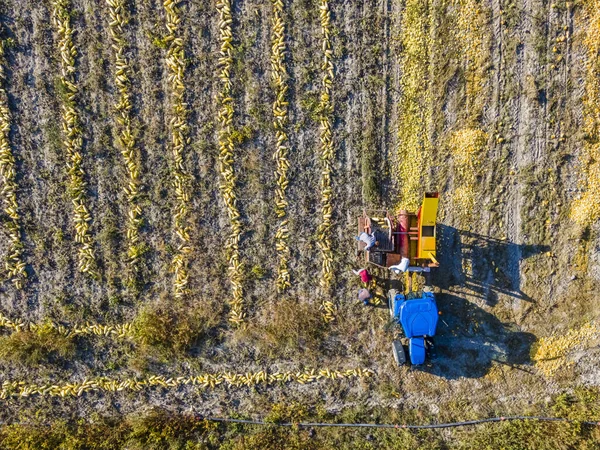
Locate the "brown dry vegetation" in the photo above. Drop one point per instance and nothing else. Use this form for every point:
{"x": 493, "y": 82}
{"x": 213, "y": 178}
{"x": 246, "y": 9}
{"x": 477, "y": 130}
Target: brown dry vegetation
{"x": 485, "y": 98}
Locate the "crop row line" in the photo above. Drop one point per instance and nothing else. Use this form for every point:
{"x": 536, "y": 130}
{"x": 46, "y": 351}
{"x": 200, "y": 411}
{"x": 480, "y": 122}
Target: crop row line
{"x": 121, "y": 331}
{"x": 229, "y": 379}
{"x": 226, "y": 153}
{"x": 129, "y": 150}
{"x": 73, "y": 140}
{"x": 327, "y": 157}
{"x": 415, "y": 105}
{"x": 14, "y": 265}
{"x": 467, "y": 144}
{"x": 179, "y": 129}
{"x": 279, "y": 76}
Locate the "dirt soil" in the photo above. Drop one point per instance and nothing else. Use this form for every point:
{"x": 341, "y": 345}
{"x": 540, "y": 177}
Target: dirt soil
{"x": 516, "y": 271}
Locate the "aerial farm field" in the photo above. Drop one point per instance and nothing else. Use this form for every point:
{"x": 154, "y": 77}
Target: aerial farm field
{"x": 180, "y": 187}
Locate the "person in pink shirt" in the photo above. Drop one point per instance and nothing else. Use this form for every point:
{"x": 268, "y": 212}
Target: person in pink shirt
{"x": 364, "y": 275}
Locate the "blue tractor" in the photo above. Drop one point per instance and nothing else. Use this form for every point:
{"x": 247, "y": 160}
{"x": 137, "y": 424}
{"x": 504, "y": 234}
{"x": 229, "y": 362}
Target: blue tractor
{"x": 418, "y": 318}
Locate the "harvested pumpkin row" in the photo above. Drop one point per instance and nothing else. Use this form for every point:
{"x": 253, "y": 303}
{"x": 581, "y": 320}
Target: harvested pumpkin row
{"x": 73, "y": 137}
{"x": 14, "y": 265}
{"x": 180, "y": 178}
{"x": 129, "y": 149}
{"x": 326, "y": 157}
{"x": 226, "y": 159}
{"x": 280, "y": 77}
{"x": 12, "y": 389}
{"x": 89, "y": 329}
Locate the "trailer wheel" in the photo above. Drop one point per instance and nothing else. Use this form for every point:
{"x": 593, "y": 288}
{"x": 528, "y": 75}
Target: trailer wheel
{"x": 391, "y": 296}
{"x": 398, "y": 351}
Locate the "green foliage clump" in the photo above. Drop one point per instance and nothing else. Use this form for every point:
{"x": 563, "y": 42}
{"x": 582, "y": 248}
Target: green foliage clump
{"x": 41, "y": 346}
{"x": 290, "y": 328}
{"x": 173, "y": 326}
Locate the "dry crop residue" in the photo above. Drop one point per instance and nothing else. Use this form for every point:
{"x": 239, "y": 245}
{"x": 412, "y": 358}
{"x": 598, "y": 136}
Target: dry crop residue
{"x": 467, "y": 147}
{"x": 549, "y": 353}
{"x": 415, "y": 106}
{"x": 586, "y": 209}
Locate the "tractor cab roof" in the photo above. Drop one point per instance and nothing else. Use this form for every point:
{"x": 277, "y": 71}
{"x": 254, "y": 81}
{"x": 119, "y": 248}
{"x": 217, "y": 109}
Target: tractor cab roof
{"x": 419, "y": 316}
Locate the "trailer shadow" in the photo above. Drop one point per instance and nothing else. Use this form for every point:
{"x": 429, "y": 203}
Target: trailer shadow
{"x": 488, "y": 267}
{"x": 468, "y": 339}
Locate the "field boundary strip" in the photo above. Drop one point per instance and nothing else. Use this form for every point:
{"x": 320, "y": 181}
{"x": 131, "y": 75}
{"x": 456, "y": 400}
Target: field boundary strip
{"x": 22, "y": 389}
{"x": 327, "y": 156}
{"x": 280, "y": 77}
{"x": 181, "y": 179}
{"x": 226, "y": 160}
{"x": 14, "y": 264}
{"x": 129, "y": 149}
{"x": 73, "y": 137}
{"x": 399, "y": 425}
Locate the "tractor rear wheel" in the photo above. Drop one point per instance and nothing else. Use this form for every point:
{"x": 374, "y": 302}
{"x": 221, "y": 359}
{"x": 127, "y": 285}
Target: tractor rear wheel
{"x": 391, "y": 296}
{"x": 398, "y": 351}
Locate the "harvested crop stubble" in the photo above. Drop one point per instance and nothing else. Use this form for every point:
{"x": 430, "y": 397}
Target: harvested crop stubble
{"x": 129, "y": 150}
{"x": 473, "y": 37}
{"x": 586, "y": 209}
{"x": 226, "y": 153}
{"x": 415, "y": 105}
{"x": 549, "y": 352}
{"x": 14, "y": 265}
{"x": 73, "y": 140}
{"x": 124, "y": 330}
{"x": 327, "y": 157}
{"x": 180, "y": 178}
{"x": 22, "y": 389}
{"x": 467, "y": 147}
{"x": 280, "y": 77}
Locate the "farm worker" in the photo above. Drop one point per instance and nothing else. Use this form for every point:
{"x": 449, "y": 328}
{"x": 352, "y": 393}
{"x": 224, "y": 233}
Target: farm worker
{"x": 364, "y": 295}
{"x": 364, "y": 275}
{"x": 368, "y": 239}
{"x": 404, "y": 262}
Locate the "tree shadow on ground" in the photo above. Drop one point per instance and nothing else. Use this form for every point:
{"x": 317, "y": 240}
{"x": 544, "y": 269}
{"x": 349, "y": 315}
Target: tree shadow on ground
{"x": 468, "y": 339}
{"x": 486, "y": 266}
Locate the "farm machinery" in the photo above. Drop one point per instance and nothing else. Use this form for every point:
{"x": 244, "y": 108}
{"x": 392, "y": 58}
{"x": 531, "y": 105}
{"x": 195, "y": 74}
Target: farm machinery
{"x": 406, "y": 243}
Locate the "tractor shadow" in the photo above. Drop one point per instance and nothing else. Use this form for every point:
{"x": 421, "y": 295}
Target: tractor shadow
{"x": 468, "y": 339}
{"x": 486, "y": 266}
